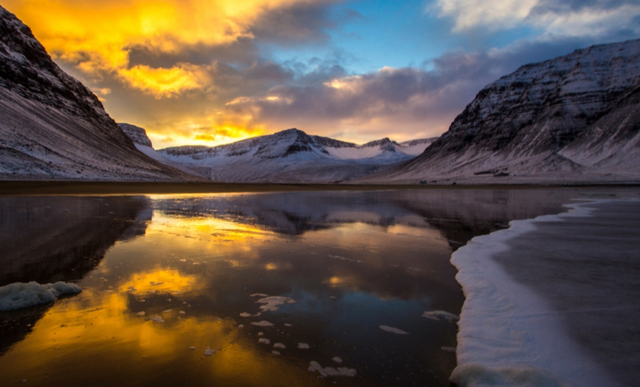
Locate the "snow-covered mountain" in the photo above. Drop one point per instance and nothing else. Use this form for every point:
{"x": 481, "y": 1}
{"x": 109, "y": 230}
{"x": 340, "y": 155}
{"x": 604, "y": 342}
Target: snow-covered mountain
{"x": 574, "y": 118}
{"x": 52, "y": 127}
{"x": 292, "y": 156}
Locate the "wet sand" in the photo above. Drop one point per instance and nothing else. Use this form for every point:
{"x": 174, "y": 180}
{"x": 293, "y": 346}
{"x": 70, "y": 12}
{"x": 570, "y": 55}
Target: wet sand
{"x": 588, "y": 270}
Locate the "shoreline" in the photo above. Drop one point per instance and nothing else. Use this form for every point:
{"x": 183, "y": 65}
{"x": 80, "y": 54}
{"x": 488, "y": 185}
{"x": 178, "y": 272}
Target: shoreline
{"x": 31, "y": 188}
{"x": 510, "y": 333}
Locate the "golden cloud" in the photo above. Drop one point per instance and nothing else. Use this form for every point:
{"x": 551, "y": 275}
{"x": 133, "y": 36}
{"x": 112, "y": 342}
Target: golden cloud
{"x": 96, "y": 36}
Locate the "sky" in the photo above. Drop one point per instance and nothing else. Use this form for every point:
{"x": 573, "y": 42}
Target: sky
{"x": 203, "y": 72}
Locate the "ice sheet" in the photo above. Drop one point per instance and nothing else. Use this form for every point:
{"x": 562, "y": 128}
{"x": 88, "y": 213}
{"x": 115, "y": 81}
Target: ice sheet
{"x": 508, "y": 335}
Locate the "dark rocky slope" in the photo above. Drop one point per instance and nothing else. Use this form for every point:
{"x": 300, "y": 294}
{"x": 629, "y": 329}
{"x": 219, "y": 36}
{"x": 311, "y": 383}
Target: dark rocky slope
{"x": 570, "y": 119}
{"x": 52, "y": 127}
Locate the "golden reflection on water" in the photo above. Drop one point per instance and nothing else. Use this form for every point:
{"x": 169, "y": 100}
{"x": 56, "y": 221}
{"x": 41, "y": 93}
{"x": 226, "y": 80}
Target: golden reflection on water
{"x": 107, "y": 334}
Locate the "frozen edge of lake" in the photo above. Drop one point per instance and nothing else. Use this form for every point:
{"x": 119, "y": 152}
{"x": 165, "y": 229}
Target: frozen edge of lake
{"x": 508, "y": 335}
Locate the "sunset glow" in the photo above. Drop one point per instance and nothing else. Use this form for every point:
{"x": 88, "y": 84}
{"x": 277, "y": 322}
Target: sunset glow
{"x": 212, "y": 72}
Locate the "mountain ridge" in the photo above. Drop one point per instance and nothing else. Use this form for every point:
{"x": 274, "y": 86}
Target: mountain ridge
{"x": 534, "y": 124}
{"x": 53, "y": 128}
{"x": 287, "y": 156}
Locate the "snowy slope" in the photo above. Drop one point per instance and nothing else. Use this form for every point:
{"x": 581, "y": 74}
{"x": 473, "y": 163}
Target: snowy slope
{"x": 570, "y": 119}
{"x": 52, "y": 127}
{"x": 292, "y": 156}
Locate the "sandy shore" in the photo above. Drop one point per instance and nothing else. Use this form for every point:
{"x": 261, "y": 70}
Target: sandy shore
{"x": 553, "y": 301}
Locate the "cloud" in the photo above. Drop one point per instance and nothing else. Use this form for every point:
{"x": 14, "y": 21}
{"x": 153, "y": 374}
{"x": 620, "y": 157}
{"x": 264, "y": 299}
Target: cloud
{"x": 163, "y": 82}
{"x": 564, "y": 18}
{"x": 97, "y": 37}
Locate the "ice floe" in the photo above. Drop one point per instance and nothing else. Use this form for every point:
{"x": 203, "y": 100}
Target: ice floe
{"x": 141, "y": 313}
{"x": 288, "y": 325}
{"x": 330, "y": 371}
{"x": 303, "y": 346}
{"x": 397, "y": 331}
{"x": 272, "y": 303}
{"x": 209, "y": 351}
{"x": 279, "y": 345}
{"x": 192, "y": 348}
{"x": 277, "y": 353}
{"x": 259, "y": 295}
{"x": 23, "y": 295}
{"x": 157, "y": 319}
{"x": 245, "y": 314}
{"x": 263, "y": 323}
{"x": 440, "y": 315}
{"x": 262, "y": 340}
{"x": 337, "y": 360}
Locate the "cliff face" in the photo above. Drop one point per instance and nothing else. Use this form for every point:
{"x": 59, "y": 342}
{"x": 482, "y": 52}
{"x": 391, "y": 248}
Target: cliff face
{"x": 569, "y": 115}
{"x": 52, "y": 127}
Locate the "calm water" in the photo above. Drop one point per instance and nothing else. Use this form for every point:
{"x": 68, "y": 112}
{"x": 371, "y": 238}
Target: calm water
{"x": 196, "y": 264}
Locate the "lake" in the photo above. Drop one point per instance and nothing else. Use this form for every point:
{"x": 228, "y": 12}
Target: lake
{"x": 248, "y": 289}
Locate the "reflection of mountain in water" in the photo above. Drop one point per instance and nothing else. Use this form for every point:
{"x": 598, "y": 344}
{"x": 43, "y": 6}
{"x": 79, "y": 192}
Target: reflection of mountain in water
{"x": 48, "y": 239}
{"x": 460, "y": 214}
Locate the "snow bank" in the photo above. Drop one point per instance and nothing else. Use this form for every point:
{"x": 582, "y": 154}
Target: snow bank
{"x": 23, "y": 295}
{"x": 508, "y": 336}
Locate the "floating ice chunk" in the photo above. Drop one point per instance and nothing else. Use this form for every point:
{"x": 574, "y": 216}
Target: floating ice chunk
{"x": 157, "y": 319}
{"x": 183, "y": 260}
{"x": 272, "y": 303}
{"x": 263, "y": 323}
{"x": 440, "y": 315}
{"x": 141, "y": 313}
{"x": 260, "y": 333}
{"x": 192, "y": 348}
{"x": 393, "y": 330}
{"x": 288, "y": 325}
{"x": 448, "y": 349}
{"x": 303, "y": 346}
{"x": 245, "y": 314}
{"x": 241, "y": 326}
{"x": 330, "y": 371}
{"x": 209, "y": 351}
{"x": 340, "y": 258}
{"x": 167, "y": 311}
{"x": 262, "y": 340}
{"x": 181, "y": 312}
{"x": 337, "y": 360}
{"x": 23, "y": 295}
{"x": 277, "y": 353}
{"x": 279, "y": 345}
{"x": 259, "y": 295}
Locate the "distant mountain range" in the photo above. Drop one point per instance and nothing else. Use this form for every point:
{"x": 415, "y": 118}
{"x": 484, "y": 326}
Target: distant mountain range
{"x": 573, "y": 119}
{"x": 289, "y": 156}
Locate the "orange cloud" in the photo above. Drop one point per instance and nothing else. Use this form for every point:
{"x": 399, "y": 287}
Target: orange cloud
{"x": 96, "y": 36}
{"x": 161, "y": 82}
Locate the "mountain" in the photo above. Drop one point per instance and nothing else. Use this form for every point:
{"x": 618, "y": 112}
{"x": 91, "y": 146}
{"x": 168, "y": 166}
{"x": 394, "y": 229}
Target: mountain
{"x": 53, "y": 128}
{"x": 574, "y": 119}
{"x": 292, "y": 156}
